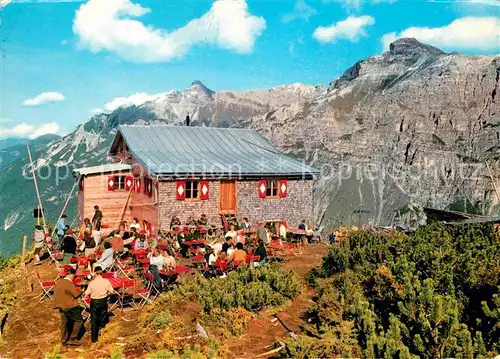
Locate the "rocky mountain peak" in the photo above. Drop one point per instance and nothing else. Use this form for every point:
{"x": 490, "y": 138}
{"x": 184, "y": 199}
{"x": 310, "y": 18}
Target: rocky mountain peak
{"x": 412, "y": 48}
{"x": 198, "y": 86}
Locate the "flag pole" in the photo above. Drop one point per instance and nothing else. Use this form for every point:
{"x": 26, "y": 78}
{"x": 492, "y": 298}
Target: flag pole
{"x": 36, "y": 187}
{"x": 67, "y": 202}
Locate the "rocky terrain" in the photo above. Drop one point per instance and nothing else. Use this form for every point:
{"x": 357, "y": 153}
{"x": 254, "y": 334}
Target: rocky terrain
{"x": 410, "y": 128}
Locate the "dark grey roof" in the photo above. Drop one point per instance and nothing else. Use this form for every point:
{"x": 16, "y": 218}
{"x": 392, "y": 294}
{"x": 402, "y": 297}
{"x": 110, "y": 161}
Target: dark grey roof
{"x": 180, "y": 150}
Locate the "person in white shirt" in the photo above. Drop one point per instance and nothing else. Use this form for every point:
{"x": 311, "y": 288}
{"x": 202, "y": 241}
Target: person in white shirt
{"x": 98, "y": 290}
{"x": 231, "y": 233}
{"x": 217, "y": 247}
{"x": 169, "y": 261}
{"x": 135, "y": 224}
{"x": 230, "y": 250}
{"x": 156, "y": 259}
{"x": 39, "y": 242}
{"x": 97, "y": 237}
{"x": 107, "y": 257}
{"x": 283, "y": 229}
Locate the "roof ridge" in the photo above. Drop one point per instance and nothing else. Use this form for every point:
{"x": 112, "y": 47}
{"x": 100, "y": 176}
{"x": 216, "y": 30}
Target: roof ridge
{"x": 192, "y": 127}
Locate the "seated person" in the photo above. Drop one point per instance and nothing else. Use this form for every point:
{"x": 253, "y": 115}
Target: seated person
{"x": 117, "y": 243}
{"x": 156, "y": 259}
{"x": 231, "y": 233}
{"x": 191, "y": 221}
{"x": 230, "y": 249}
{"x": 169, "y": 262}
{"x": 226, "y": 244}
{"x": 261, "y": 251}
{"x": 245, "y": 225}
{"x": 107, "y": 257}
{"x": 175, "y": 222}
{"x": 302, "y": 226}
{"x": 135, "y": 224}
{"x": 141, "y": 243}
{"x": 210, "y": 256}
{"x": 262, "y": 232}
{"x": 203, "y": 221}
{"x": 239, "y": 254}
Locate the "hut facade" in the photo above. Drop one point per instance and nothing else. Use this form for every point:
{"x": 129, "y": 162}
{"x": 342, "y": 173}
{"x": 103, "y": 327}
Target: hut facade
{"x": 163, "y": 171}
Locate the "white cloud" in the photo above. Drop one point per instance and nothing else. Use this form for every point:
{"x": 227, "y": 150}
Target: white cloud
{"x": 350, "y": 29}
{"x": 44, "y": 98}
{"x": 44, "y": 1}
{"x": 136, "y": 99}
{"x": 30, "y": 131}
{"x": 110, "y": 25}
{"x": 481, "y": 2}
{"x": 468, "y": 33}
{"x": 357, "y": 4}
{"x": 301, "y": 11}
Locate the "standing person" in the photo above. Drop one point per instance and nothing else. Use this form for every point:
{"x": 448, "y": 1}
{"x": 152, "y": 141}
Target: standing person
{"x": 61, "y": 227}
{"x": 262, "y": 232}
{"x": 65, "y": 299}
{"x": 90, "y": 244}
{"x": 331, "y": 237}
{"x": 98, "y": 290}
{"x": 97, "y": 219}
{"x": 283, "y": 229}
{"x": 38, "y": 241}
{"x": 68, "y": 246}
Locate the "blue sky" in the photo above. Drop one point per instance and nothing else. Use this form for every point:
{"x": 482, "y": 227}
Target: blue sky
{"x": 62, "y": 59}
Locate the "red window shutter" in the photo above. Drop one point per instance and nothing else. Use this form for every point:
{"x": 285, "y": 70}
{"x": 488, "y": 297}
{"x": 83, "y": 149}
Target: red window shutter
{"x": 129, "y": 183}
{"x": 180, "y": 190}
{"x": 111, "y": 183}
{"x": 262, "y": 189}
{"x": 137, "y": 185}
{"x": 283, "y": 188}
{"x": 81, "y": 184}
{"x": 204, "y": 193}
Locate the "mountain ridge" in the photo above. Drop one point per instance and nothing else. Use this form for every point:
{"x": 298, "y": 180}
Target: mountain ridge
{"x": 389, "y": 111}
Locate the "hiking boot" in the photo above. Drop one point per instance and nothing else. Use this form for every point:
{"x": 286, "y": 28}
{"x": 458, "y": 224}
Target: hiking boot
{"x": 73, "y": 343}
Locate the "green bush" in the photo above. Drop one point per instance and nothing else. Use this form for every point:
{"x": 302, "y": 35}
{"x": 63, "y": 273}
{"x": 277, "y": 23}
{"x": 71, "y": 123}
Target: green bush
{"x": 430, "y": 294}
{"x": 159, "y": 320}
{"x": 249, "y": 288}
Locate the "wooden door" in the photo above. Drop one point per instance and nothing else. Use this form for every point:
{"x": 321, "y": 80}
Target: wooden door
{"x": 227, "y": 195}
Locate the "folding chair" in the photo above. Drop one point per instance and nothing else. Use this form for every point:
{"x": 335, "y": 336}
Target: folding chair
{"x": 153, "y": 291}
{"x": 125, "y": 295}
{"x": 125, "y": 269}
{"x": 251, "y": 259}
{"x": 220, "y": 267}
{"x": 55, "y": 256}
{"x": 47, "y": 287}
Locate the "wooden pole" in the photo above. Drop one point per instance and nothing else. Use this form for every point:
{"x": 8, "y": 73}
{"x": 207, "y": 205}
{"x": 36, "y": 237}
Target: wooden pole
{"x": 37, "y": 214}
{"x": 124, "y": 208}
{"x": 493, "y": 180}
{"x": 36, "y": 186}
{"x": 66, "y": 203}
{"x": 23, "y": 264}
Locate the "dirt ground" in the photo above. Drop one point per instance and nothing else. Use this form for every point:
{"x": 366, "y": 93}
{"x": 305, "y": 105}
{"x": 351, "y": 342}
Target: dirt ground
{"x": 32, "y": 328}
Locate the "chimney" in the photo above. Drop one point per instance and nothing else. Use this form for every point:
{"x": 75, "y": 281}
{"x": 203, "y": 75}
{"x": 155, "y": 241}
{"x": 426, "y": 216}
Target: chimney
{"x": 187, "y": 120}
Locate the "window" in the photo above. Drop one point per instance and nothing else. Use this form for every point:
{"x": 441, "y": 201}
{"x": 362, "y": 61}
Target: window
{"x": 192, "y": 190}
{"x": 119, "y": 182}
{"x": 271, "y": 188}
{"x": 148, "y": 186}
